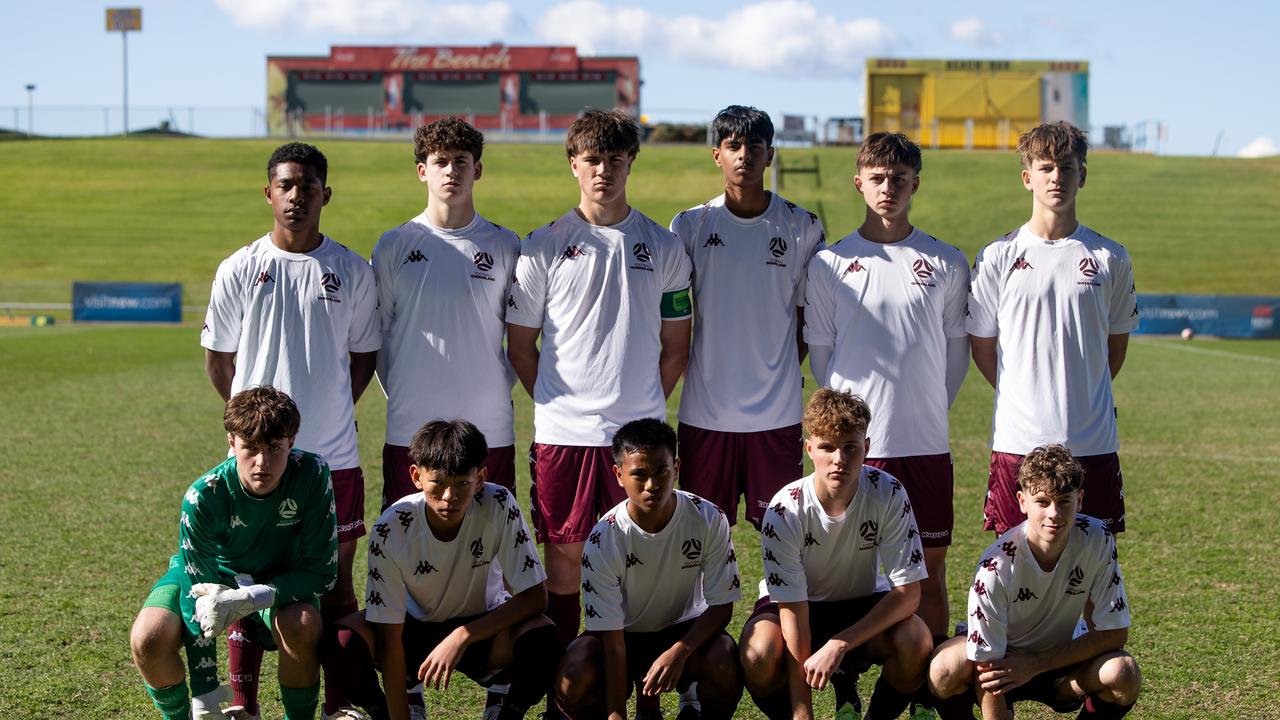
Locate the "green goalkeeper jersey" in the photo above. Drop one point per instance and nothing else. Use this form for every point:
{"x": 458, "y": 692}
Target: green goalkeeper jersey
{"x": 287, "y": 540}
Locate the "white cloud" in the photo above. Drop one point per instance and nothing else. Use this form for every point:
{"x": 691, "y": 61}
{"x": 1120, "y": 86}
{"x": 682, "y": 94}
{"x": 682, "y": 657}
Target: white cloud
{"x": 1262, "y": 146}
{"x": 437, "y": 21}
{"x": 973, "y": 31}
{"x": 785, "y": 37}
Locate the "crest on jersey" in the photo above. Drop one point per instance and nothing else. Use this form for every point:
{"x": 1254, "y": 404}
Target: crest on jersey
{"x": 331, "y": 282}
{"x": 641, "y": 251}
{"x": 777, "y": 247}
{"x": 1089, "y": 267}
{"x": 288, "y": 509}
{"x": 483, "y": 261}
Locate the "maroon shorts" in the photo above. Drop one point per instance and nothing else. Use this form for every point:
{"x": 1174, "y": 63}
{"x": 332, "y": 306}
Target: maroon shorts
{"x": 1103, "y": 491}
{"x": 396, "y": 483}
{"x": 420, "y": 638}
{"x": 721, "y": 466}
{"x": 930, "y": 485}
{"x": 570, "y": 487}
{"x": 348, "y": 498}
{"x": 829, "y": 617}
{"x": 645, "y": 647}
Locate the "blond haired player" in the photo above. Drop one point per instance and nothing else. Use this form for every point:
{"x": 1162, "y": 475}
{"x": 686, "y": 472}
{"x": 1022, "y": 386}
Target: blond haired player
{"x": 1051, "y": 307}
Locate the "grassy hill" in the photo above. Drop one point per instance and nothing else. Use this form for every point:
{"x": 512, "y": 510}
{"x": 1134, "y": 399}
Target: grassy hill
{"x": 171, "y": 209}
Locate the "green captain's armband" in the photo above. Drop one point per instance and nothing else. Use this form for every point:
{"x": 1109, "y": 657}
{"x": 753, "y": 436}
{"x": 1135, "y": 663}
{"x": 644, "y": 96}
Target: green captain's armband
{"x": 675, "y": 304}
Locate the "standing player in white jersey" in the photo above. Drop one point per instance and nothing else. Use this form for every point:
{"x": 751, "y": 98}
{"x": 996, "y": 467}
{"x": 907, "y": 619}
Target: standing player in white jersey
{"x": 1031, "y": 587}
{"x": 741, "y": 404}
{"x": 1051, "y": 306}
{"x": 659, "y": 577}
{"x": 443, "y": 279}
{"x": 608, "y": 291}
{"x": 296, "y": 310}
{"x": 843, "y": 565}
{"x": 886, "y": 321}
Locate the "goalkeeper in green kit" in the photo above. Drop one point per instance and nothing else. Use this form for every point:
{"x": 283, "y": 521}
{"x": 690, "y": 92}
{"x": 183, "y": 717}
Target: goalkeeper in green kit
{"x": 257, "y": 535}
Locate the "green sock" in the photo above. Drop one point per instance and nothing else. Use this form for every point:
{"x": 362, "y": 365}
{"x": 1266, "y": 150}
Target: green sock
{"x": 300, "y": 703}
{"x": 173, "y": 701}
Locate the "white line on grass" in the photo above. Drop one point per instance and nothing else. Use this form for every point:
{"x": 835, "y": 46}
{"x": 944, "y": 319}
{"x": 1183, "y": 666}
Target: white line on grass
{"x": 1185, "y": 347}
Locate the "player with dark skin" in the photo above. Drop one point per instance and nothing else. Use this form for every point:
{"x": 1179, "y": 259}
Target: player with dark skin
{"x": 297, "y": 195}
{"x": 709, "y": 656}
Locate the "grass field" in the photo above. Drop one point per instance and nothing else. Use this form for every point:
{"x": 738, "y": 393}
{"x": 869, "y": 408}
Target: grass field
{"x": 103, "y": 427}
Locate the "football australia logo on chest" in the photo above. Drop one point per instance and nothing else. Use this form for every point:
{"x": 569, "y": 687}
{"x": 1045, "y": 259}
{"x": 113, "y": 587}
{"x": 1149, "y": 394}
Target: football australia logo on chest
{"x": 331, "y": 286}
{"x": 288, "y": 512}
{"x": 777, "y": 252}
{"x": 484, "y": 263}
{"x": 922, "y": 273}
{"x": 644, "y": 258}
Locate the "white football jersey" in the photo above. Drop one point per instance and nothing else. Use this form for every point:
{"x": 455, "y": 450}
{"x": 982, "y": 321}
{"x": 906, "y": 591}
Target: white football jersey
{"x": 641, "y": 582}
{"x": 748, "y": 280}
{"x": 811, "y": 556}
{"x": 887, "y": 311}
{"x": 291, "y": 319}
{"x": 412, "y": 572}
{"x": 1015, "y": 605}
{"x": 1051, "y": 306}
{"x": 596, "y": 293}
{"x": 442, "y": 300}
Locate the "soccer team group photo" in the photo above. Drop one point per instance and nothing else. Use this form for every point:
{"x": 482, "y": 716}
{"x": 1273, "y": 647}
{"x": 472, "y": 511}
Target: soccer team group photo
{"x": 613, "y": 594}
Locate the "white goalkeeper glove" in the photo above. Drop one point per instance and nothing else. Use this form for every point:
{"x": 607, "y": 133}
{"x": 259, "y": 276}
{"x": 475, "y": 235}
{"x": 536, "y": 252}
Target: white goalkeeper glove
{"x": 217, "y": 606}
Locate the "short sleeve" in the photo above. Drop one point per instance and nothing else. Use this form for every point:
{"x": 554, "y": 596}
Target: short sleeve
{"x": 1110, "y": 602}
{"x": 1124, "y": 296}
{"x": 988, "y": 614}
{"x": 602, "y": 582}
{"x": 527, "y": 300}
{"x": 984, "y": 294}
{"x": 677, "y": 269}
{"x": 384, "y": 277}
{"x": 680, "y": 226}
{"x": 720, "y": 581}
{"x": 222, "y": 320}
{"x": 365, "y": 334}
{"x": 385, "y": 590}
{"x": 956, "y": 297}
{"x": 815, "y": 239}
{"x": 521, "y": 568}
{"x": 819, "y": 311}
{"x": 899, "y": 549}
{"x": 780, "y": 544}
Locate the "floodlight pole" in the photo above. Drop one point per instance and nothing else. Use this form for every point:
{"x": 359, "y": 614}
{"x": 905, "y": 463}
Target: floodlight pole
{"x": 31, "y": 124}
{"x": 124, "y": 43}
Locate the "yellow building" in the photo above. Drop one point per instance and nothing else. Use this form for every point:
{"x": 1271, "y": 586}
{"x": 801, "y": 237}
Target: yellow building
{"x": 974, "y": 103}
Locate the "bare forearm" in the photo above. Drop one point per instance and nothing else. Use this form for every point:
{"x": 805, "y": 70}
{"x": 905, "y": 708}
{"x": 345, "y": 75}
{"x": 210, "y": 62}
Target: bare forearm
{"x": 984, "y": 356}
{"x": 1087, "y": 646}
{"x": 674, "y": 357}
{"x": 523, "y": 606}
{"x": 892, "y": 609}
{"x": 615, "y": 675}
{"x": 362, "y": 367}
{"x": 1117, "y": 348}
{"x": 391, "y": 658}
{"x": 221, "y": 369}
{"x": 794, "y": 618}
{"x": 708, "y": 626}
{"x": 801, "y": 346}
{"x": 522, "y": 351}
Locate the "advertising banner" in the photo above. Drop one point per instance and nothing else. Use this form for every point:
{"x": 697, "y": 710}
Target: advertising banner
{"x": 1231, "y": 316}
{"x": 126, "y": 302}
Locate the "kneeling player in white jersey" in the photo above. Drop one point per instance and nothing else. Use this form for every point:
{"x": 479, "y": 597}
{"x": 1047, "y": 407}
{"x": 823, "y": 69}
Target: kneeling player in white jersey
{"x": 886, "y": 321}
{"x": 1032, "y": 585}
{"x": 659, "y": 579}
{"x": 607, "y": 289}
{"x": 257, "y": 538}
{"x": 1051, "y": 307}
{"x": 741, "y": 404}
{"x": 843, "y": 565}
{"x": 297, "y": 311}
{"x": 438, "y": 564}
{"x": 443, "y": 279}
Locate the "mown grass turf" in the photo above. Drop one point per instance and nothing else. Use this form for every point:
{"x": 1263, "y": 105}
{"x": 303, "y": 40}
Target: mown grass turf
{"x": 104, "y": 427}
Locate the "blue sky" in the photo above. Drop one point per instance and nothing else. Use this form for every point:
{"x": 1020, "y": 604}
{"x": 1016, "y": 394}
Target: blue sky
{"x": 1207, "y": 72}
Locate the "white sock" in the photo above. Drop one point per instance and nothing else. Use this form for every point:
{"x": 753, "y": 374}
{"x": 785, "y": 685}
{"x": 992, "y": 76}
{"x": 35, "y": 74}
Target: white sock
{"x": 689, "y": 698}
{"x": 209, "y": 703}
